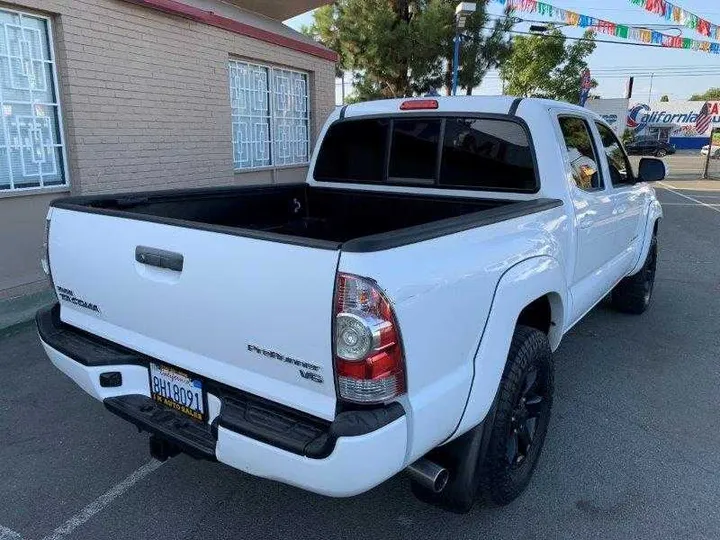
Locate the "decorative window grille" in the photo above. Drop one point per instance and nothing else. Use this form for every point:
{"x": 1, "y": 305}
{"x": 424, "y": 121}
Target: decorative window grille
{"x": 270, "y": 116}
{"x": 32, "y": 151}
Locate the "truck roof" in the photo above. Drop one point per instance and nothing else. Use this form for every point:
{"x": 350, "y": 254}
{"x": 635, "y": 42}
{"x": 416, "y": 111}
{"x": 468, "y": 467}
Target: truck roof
{"x": 454, "y": 104}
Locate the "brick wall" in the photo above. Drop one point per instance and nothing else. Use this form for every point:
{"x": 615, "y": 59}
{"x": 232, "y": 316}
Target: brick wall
{"x": 145, "y": 95}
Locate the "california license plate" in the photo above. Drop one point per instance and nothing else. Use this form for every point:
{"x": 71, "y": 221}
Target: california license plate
{"x": 178, "y": 390}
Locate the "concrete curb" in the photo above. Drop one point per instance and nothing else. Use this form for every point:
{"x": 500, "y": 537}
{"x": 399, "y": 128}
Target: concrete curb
{"x": 22, "y": 309}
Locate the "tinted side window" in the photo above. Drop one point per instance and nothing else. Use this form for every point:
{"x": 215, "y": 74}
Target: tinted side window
{"x": 581, "y": 152}
{"x": 414, "y": 151}
{"x": 353, "y": 151}
{"x": 491, "y": 154}
{"x": 620, "y": 169}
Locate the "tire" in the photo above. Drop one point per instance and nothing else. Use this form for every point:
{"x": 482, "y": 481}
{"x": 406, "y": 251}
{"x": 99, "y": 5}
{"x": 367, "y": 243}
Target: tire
{"x": 519, "y": 428}
{"x": 661, "y": 153}
{"x": 634, "y": 293}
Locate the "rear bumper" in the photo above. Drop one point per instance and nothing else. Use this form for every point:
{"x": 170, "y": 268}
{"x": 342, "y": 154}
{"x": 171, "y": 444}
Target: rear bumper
{"x": 348, "y": 456}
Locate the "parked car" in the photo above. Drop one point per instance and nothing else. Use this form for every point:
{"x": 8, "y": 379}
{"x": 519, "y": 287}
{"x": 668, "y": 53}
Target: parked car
{"x": 715, "y": 151}
{"x": 649, "y": 146}
{"x": 398, "y": 311}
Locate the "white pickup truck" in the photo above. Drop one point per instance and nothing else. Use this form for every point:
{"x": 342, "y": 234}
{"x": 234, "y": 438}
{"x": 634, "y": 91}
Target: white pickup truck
{"x": 397, "y": 311}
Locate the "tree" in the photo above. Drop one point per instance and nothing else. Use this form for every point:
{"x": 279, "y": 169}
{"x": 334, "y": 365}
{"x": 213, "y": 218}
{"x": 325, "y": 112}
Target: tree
{"x": 398, "y": 48}
{"x": 665, "y": 99}
{"x": 325, "y": 30}
{"x": 481, "y": 50}
{"x": 713, "y": 94}
{"x": 543, "y": 66}
{"x": 627, "y": 136}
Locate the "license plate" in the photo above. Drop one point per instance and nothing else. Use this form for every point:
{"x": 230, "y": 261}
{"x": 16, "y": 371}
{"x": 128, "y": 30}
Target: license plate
{"x": 177, "y": 390}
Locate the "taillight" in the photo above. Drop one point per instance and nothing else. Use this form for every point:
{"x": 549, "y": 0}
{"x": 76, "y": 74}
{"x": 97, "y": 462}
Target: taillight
{"x": 369, "y": 360}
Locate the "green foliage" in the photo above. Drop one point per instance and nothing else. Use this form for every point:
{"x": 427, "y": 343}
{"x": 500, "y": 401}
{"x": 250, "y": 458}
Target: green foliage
{"x": 481, "y": 49}
{"x": 627, "y": 136}
{"x": 398, "y": 48}
{"x": 665, "y": 99}
{"x": 543, "y": 66}
{"x": 325, "y": 30}
{"x": 713, "y": 94}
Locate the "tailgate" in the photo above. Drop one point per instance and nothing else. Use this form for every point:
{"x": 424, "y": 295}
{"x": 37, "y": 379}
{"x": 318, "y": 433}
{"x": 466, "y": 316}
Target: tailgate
{"x": 253, "y": 314}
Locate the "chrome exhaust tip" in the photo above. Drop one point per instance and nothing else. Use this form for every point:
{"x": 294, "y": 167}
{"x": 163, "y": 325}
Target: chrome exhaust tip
{"x": 429, "y": 474}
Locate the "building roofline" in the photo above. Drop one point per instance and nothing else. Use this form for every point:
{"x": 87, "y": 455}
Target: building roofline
{"x": 180, "y": 9}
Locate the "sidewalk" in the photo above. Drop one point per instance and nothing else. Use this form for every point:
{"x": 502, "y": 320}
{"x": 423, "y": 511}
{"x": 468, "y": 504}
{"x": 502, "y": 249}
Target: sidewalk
{"x": 22, "y": 309}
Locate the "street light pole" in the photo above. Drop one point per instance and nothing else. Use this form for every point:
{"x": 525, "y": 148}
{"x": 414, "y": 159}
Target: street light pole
{"x": 462, "y": 12}
{"x": 456, "y": 59}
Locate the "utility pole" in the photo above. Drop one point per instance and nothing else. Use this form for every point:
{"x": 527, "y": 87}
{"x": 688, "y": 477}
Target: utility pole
{"x": 462, "y": 12}
{"x": 706, "y": 171}
{"x": 629, "y": 89}
{"x": 342, "y": 87}
{"x": 652, "y": 76}
{"x": 456, "y": 59}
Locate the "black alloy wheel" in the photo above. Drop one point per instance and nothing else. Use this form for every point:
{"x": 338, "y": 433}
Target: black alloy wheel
{"x": 529, "y": 412}
{"x": 648, "y": 273}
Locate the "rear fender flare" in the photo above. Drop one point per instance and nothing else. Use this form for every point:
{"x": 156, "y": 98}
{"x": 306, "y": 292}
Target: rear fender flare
{"x": 654, "y": 214}
{"x": 519, "y": 286}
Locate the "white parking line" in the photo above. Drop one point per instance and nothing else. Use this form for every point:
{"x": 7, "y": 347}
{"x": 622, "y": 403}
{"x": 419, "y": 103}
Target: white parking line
{"x": 9, "y": 534}
{"x": 102, "y": 501}
{"x": 704, "y": 189}
{"x": 693, "y": 199}
{"x": 714, "y": 205}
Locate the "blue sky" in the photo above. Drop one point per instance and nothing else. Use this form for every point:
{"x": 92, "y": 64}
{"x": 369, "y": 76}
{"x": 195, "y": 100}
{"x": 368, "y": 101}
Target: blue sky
{"x": 611, "y": 62}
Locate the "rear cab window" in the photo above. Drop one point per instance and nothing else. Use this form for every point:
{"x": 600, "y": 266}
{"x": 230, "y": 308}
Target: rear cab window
{"x": 413, "y": 151}
{"x": 491, "y": 154}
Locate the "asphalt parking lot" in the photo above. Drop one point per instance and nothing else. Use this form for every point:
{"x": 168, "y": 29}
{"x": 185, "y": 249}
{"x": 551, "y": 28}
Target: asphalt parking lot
{"x": 632, "y": 450}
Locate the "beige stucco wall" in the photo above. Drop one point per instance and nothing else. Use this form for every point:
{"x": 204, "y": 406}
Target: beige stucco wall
{"x": 145, "y": 94}
{"x": 146, "y": 106}
{"x": 22, "y": 228}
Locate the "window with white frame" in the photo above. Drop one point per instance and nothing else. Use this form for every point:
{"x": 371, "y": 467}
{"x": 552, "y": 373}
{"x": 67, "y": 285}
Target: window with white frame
{"x": 270, "y": 115}
{"x": 31, "y": 143}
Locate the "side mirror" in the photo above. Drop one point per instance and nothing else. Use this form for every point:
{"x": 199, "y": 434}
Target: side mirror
{"x": 651, "y": 170}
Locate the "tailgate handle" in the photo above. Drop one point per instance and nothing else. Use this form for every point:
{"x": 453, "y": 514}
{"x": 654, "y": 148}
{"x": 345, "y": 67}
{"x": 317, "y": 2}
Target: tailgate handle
{"x": 159, "y": 257}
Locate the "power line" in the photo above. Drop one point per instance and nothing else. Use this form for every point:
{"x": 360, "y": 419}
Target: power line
{"x": 687, "y": 16}
{"x": 646, "y": 69}
{"x": 595, "y": 40}
{"x": 627, "y": 10}
{"x": 629, "y": 44}
{"x": 630, "y": 31}
{"x": 667, "y": 68}
{"x": 623, "y": 75}
{"x": 516, "y": 19}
